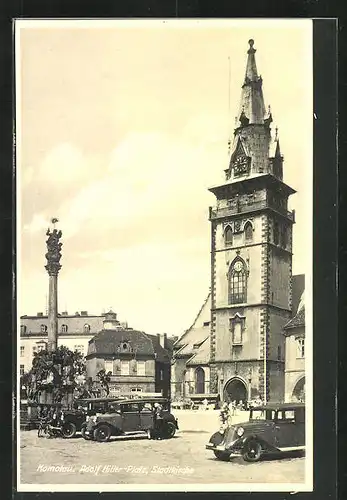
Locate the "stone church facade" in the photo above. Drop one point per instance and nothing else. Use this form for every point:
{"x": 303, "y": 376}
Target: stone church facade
{"x": 250, "y": 298}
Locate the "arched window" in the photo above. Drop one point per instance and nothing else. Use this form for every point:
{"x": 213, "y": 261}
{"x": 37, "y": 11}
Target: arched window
{"x": 228, "y": 236}
{"x": 248, "y": 231}
{"x": 43, "y": 328}
{"x": 237, "y": 282}
{"x": 199, "y": 380}
{"x": 86, "y": 328}
{"x": 64, "y": 328}
{"x": 276, "y": 233}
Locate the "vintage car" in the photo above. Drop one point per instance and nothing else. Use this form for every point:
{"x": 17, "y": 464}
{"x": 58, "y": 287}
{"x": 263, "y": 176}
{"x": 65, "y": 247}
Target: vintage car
{"x": 272, "y": 428}
{"x": 129, "y": 416}
{"x": 72, "y": 421}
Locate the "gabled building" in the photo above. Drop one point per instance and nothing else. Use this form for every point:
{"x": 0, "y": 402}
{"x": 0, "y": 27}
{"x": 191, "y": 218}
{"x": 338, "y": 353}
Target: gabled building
{"x": 190, "y": 372}
{"x": 294, "y": 332}
{"x": 138, "y": 362}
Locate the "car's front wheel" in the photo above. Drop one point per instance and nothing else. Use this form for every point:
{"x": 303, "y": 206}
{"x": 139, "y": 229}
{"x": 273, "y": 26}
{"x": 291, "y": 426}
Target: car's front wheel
{"x": 252, "y": 451}
{"x": 222, "y": 455}
{"x": 68, "y": 430}
{"x": 102, "y": 433}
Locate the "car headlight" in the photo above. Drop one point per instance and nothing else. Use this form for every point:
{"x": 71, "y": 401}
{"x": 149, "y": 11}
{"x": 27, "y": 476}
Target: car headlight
{"x": 240, "y": 431}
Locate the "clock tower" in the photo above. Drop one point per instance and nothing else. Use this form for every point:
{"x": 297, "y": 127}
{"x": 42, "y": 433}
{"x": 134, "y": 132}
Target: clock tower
{"x": 251, "y": 256}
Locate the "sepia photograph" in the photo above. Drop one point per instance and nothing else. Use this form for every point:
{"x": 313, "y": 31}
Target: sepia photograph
{"x": 164, "y": 186}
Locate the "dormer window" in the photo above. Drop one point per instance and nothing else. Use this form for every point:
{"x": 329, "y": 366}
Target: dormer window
{"x": 124, "y": 346}
{"x": 23, "y": 329}
{"x": 43, "y": 328}
{"x": 64, "y": 328}
{"x": 86, "y": 328}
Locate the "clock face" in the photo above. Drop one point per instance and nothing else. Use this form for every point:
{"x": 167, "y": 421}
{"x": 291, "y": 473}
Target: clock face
{"x": 238, "y": 266}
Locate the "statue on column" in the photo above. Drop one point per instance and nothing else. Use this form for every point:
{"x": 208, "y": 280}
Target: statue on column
{"x": 53, "y": 254}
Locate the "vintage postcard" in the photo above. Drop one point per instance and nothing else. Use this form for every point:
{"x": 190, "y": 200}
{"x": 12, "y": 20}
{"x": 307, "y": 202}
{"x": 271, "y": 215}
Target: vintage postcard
{"x": 164, "y": 226}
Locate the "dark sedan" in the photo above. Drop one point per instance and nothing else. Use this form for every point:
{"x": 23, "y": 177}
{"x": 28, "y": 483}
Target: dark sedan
{"x": 272, "y": 428}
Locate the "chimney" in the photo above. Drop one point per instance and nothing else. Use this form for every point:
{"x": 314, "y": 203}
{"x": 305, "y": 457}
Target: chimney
{"x": 77, "y": 313}
{"x": 40, "y": 314}
{"x": 64, "y": 313}
{"x": 84, "y": 313}
{"x": 163, "y": 339}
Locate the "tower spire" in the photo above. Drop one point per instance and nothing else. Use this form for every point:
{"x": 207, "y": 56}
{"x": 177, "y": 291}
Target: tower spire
{"x": 252, "y": 107}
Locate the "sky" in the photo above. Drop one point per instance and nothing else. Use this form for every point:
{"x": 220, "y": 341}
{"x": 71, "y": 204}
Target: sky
{"x": 121, "y": 128}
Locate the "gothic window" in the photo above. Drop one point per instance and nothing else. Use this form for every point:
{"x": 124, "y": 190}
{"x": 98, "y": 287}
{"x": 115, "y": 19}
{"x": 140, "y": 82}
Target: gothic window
{"x": 43, "y": 328}
{"x": 64, "y": 328}
{"x": 86, "y": 328}
{"x": 248, "y": 231}
{"x": 276, "y": 233}
{"x": 237, "y": 282}
{"x": 199, "y": 380}
{"x": 228, "y": 236}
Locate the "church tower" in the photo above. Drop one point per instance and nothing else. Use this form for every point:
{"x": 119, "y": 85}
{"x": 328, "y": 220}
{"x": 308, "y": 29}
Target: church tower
{"x": 251, "y": 256}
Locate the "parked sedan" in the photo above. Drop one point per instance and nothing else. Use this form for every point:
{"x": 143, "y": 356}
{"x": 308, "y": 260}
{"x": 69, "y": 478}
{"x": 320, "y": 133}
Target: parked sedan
{"x": 272, "y": 428}
{"x": 126, "y": 417}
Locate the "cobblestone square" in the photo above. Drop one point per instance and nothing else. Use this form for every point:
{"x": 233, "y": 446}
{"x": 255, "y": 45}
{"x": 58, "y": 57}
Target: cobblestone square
{"x": 137, "y": 460}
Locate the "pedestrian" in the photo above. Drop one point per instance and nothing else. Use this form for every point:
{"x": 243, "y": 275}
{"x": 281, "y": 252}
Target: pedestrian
{"x": 158, "y": 420}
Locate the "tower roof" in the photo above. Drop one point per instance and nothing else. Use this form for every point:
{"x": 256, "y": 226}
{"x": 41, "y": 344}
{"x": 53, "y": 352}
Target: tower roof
{"x": 252, "y": 107}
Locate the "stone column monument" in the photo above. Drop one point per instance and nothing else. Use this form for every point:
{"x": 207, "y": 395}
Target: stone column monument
{"x": 53, "y": 267}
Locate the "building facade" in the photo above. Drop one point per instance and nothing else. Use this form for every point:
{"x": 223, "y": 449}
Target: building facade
{"x": 294, "y": 332}
{"x": 136, "y": 361}
{"x": 74, "y": 332}
{"x": 190, "y": 371}
{"x": 250, "y": 298}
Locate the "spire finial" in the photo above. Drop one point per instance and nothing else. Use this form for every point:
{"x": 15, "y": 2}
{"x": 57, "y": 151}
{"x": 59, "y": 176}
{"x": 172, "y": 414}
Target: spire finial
{"x": 276, "y": 133}
{"x": 251, "y": 50}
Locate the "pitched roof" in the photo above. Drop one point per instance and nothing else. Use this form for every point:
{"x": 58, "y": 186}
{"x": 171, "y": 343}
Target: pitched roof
{"x": 197, "y": 333}
{"x": 202, "y": 355}
{"x": 107, "y": 342}
{"x": 297, "y": 321}
{"x": 298, "y": 287}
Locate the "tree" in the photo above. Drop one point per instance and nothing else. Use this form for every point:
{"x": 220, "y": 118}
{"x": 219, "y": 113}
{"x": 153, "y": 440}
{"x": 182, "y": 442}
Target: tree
{"x": 59, "y": 371}
{"x": 104, "y": 379}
